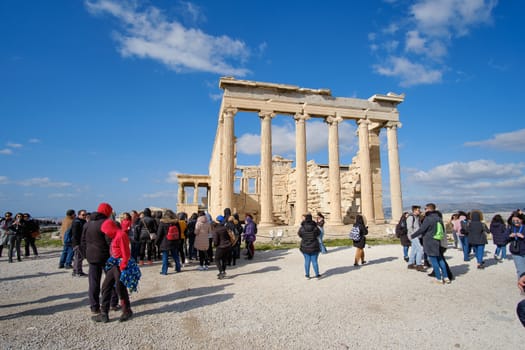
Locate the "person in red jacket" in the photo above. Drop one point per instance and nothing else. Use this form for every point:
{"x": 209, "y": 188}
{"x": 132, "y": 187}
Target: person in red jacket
{"x": 120, "y": 254}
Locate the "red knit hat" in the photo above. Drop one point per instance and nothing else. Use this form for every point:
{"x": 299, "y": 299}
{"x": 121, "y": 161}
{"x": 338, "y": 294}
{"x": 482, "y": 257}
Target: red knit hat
{"x": 105, "y": 208}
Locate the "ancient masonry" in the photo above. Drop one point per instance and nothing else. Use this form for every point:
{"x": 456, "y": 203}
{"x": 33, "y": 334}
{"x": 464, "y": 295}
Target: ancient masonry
{"x": 275, "y": 192}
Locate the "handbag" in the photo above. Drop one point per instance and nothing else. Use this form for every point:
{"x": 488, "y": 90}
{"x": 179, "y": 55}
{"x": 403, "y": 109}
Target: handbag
{"x": 514, "y": 246}
{"x": 35, "y": 234}
{"x": 145, "y": 234}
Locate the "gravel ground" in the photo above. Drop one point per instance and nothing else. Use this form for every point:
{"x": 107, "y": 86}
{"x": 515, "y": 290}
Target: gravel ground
{"x": 267, "y": 303}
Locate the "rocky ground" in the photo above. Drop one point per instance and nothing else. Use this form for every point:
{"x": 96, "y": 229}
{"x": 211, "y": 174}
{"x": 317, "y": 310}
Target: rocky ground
{"x": 267, "y": 303}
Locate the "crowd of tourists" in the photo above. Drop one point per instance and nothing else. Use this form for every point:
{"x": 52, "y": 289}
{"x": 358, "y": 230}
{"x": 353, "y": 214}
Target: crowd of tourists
{"x": 14, "y": 230}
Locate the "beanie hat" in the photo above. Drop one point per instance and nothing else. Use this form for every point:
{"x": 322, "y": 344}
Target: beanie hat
{"x": 105, "y": 208}
{"x": 109, "y": 227}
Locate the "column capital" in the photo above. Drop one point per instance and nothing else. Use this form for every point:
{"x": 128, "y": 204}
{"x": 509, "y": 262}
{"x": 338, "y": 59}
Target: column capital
{"x": 301, "y": 117}
{"x": 363, "y": 121}
{"x": 266, "y": 114}
{"x": 331, "y": 119}
{"x": 393, "y": 125}
{"x": 228, "y": 113}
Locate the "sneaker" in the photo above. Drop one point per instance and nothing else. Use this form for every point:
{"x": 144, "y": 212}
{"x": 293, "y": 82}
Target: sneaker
{"x": 435, "y": 281}
{"x": 356, "y": 264}
{"x": 307, "y": 277}
{"x": 101, "y": 318}
{"x": 319, "y": 276}
{"x": 363, "y": 262}
{"x": 200, "y": 268}
{"x": 411, "y": 266}
{"x": 446, "y": 280}
{"x": 206, "y": 267}
{"x": 406, "y": 258}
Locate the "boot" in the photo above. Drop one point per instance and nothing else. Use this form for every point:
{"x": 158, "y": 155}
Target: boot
{"x": 126, "y": 314}
{"x": 102, "y": 317}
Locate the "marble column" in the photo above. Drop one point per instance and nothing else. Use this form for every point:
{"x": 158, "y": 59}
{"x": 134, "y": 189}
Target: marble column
{"x": 367, "y": 198}
{"x": 396, "y": 199}
{"x": 227, "y": 175}
{"x": 266, "y": 169}
{"x": 301, "y": 200}
{"x": 334, "y": 172}
{"x": 180, "y": 193}
{"x": 196, "y": 193}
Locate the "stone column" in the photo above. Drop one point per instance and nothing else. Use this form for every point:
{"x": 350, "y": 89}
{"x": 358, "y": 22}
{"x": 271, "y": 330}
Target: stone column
{"x": 334, "y": 173}
{"x": 228, "y": 157}
{"x": 301, "y": 200}
{"x": 367, "y": 198}
{"x": 266, "y": 169}
{"x": 196, "y": 193}
{"x": 180, "y": 193}
{"x": 394, "y": 170}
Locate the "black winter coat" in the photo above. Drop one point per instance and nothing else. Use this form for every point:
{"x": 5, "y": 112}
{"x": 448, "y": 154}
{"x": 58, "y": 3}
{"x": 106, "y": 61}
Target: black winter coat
{"x": 94, "y": 243}
{"x": 76, "y": 231}
{"x": 309, "y": 233}
{"x": 499, "y": 233}
{"x": 162, "y": 232}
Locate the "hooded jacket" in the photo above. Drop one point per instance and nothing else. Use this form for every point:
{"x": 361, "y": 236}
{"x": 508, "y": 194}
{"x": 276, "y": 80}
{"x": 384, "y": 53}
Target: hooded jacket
{"x": 94, "y": 243}
{"x": 477, "y": 230}
{"x": 119, "y": 242}
{"x": 221, "y": 239}
{"x": 202, "y": 230}
{"x": 309, "y": 233}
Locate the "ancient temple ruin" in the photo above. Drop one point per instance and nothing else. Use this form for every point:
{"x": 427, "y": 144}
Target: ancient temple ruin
{"x": 277, "y": 193}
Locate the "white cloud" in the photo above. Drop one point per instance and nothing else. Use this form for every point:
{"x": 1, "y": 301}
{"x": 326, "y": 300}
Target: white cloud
{"x": 479, "y": 180}
{"x": 6, "y": 151}
{"x": 43, "y": 182}
{"x": 4, "y": 180}
{"x": 172, "y": 177}
{"x": 283, "y": 138}
{"x": 409, "y": 72}
{"x": 62, "y": 195}
{"x": 14, "y": 145}
{"x": 162, "y": 194}
{"x": 149, "y": 34}
{"x": 34, "y": 140}
{"x": 427, "y": 34}
{"x": 509, "y": 141}
{"x": 124, "y": 179}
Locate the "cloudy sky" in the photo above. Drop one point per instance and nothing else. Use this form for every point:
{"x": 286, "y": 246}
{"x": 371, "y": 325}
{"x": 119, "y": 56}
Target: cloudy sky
{"x": 109, "y": 100}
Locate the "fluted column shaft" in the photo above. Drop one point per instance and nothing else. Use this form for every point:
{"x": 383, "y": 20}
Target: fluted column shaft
{"x": 396, "y": 199}
{"x": 334, "y": 172}
{"x": 301, "y": 204}
{"x": 266, "y": 169}
{"x": 228, "y": 157}
{"x": 196, "y": 193}
{"x": 180, "y": 193}
{"x": 367, "y": 198}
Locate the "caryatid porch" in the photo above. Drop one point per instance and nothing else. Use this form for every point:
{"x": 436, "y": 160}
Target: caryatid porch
{"x": 268, "y": 100}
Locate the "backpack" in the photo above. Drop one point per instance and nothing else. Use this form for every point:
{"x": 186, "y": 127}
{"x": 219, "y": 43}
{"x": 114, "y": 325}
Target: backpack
{"x": 401, "y": 227}
{"x": 440, "y": 232}
{"x": 173, "y": 233}
{"x": 254, "y": 228}
{"x": 355, "y": 234}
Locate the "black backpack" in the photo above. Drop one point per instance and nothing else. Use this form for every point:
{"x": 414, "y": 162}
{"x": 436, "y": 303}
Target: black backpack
{"x": 401, "y": 227}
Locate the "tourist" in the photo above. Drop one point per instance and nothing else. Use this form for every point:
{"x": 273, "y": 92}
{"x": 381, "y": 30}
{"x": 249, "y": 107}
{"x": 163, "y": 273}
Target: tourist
{"x": 66, "y": 257}
{"x": 320, "y": 224}
{"x": 309, "y": 233}
{"x": 16, "y": 231}
{"x": 498, "y": 229}
{"x": 95, "y": 248}
{"x": 461, "y": 226}
{"x": 190, "y": 232}
{"x": 360, "y": 244}
{"x": 76, "y": 236}
{"x": 516, "y": 239}
{"x": 450, "y": 224}
{"x": 183, "y": 252}
{"x": 120, "y": 255}
{"x": 234, "y": 226}
{"x": 415, "y": 258}
{"x": 147, "y": 227}
{"x": 249, "y": 236}
{"x": 202, "y": 230}
{"x": 431, "y": 246}
{"x": 402, "y": 234}
{"x": 32, "y": 232}
{"x": 477, "y": 236}
{"x": 5, "y": 222}
{"x": 168, "y": 246}
{"x": 223, "y": 248}
{"x": 134, "y": 232}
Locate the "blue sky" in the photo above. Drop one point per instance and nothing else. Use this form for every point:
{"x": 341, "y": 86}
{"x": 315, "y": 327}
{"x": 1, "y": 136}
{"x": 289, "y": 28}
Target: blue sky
{"x": 108, "y": 100}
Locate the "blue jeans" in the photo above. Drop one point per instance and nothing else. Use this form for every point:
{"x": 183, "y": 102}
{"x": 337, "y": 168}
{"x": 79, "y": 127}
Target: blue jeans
{"x": 416, "y": 254}
{"x": 175, "y": 255}
{"x": 501, "y": 249}
{"x": 479, "y": 249}
{"x": 405, "y": 251}
{"x": 438, "y": 264}
{"x": 519, "y": 262}
{"x": 321, "y": 244}
{"x": 465, "y": 246}
{"x": 66, "y": 258}
{"x": 311, "y": 259}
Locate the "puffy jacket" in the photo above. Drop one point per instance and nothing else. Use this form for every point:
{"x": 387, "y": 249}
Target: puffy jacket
{"x": 309, "y": 233}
